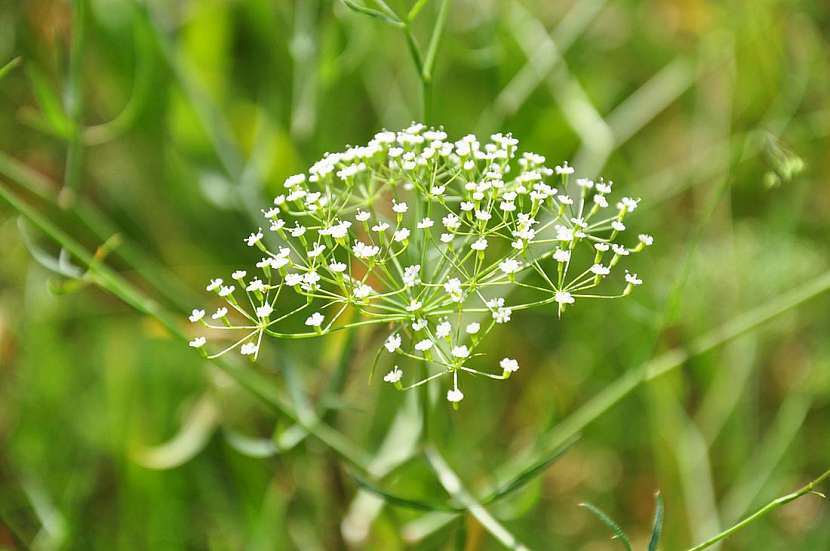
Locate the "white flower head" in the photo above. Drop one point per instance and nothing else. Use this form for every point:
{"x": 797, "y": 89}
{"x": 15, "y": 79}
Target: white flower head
{"x": 254, "y": 238}
{"x": 393, "y": 342}
{"x": 454, "y": 395}
{"x": 509, "y": 365}
{"x": 315, "y": 320}
{"x": 196, "y": 315}
{"x": 393, "y": 376}
{"x": 198, "y": 342}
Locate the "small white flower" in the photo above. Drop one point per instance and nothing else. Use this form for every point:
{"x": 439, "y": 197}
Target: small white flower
{"x": 419, "y": 324}
{"x": 628, "y": 204}
{"x": 467, "y": 206}
{"x": 460, "y": 351}
{"x": 295, "y": 180}
{"x": 561, "y": 255}
{"x": 314, "y": 320}
{"x": 213, "y": 285}
{"x": 380, "y": 227}
{"x": 453, "y": 288}
{"x": 248, "y": 349}
{"x": 316, "y": 250}
{"x": 600, "y": 270}
{"x": 423, "y": 346}
{"x": 401, "y": 235}
{"x": 619, "y": 249}
{"x": 196, "y": 315}
{"x": 238, "y": 274}
{"x": 563, "y": 297}
{"x": 565, "y": 199}
{"x": 509, "y": 365}
{"x": 446, "y": 238}
{"x": 602, "y": 246}
{"x": 617, "y": 225}
{"x": 362, "y": 291}
{"x": 293, "y": 279}
{"x": 226, "y": 290}
{"x": 425, "y": 223}
{"x": 198, "y": 342}
{"x": 219, "y": 313}
{"x": 264, "y": 311}
{"x": 256, "y": 285}
{"x": 646, "y": 239}
{"x": 632, "y": 279}
{"x": 393, "y": 376}
{"x": 479, "y": 245}
{"x": 451, "y": 221}
{"x": 484, "y": 216}
{"x": 564, "y": 169}
{"x": 455, "y": 395}
{"x": 361, "y": 216}
{"x": 362, "y": 250}
{"x": 585, "y": 183}
{"x": 254, "y": 238}
{"x": 473, "y": 328}
{"x": 414, "y": 306}
{"x": 399, "y": 208}
{"x": 297, "y": 230}
{"x": 564, "y": 234}
{"x": 411, "y": 275}
{"x": 277, "y": 225}
{"x": 337, "y": 267}
{"x": 393, "y": 342}
{"x": 443, "y": 329}
{"x": 502, "y": 315}
{"x": 510, "y": 266}
{"x": 601, "y": 201}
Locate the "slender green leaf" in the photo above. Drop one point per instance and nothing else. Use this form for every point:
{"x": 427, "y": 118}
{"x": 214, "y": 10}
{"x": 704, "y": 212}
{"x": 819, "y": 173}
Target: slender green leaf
{"x": 435, "y": 39}
{"x": 657, "y": 525}
{"x": 532, "y": 472}
{"x": 371, "y": 12}
{"x": 8, "y": 67}
{"x": 416, "y": 8}
{"x": 618, "y": 532}
{"x": 400, "y": 501}
{"x": 52, "y": 114}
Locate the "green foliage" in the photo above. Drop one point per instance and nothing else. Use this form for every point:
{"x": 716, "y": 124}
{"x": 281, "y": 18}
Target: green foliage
{"x": 172, "y": 124}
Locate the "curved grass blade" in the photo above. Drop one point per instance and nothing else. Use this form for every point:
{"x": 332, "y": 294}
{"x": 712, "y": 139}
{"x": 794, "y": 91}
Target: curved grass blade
{"x": 400, "y": 501}
{"x": 529, "y": 474}
{"x": 657, "y": 525}
{"x": 377, "y": 14}
{"x": 435, "y": 39}
{"x": 8, "y": 67}
{"x": 618, "y": 532}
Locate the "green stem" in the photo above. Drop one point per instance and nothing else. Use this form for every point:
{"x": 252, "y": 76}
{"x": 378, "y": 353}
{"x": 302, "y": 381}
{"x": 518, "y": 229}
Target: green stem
{"x": 74, "y": 108}
{"x": 763, "y": 511}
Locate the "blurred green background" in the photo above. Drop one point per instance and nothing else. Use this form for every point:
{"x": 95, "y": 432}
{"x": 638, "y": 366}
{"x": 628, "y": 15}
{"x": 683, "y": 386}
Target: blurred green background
{"x": 169, "y": 124}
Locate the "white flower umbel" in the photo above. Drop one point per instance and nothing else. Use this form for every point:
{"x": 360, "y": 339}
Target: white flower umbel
{"x": 427, "y": 237}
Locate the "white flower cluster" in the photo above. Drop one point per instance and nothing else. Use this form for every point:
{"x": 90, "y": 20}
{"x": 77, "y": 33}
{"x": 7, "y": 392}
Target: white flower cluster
{"x": 427, "y": 236}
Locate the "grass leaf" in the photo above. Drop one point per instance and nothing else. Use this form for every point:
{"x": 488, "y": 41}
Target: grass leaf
{"x": 657, "y": 525}
{"x": 532, "y": 472}
{"x": 618, "y": 532}
{"x": 8, "y": 67}
{"x": 371, "y": 12}
{"x": 401, "y": 501}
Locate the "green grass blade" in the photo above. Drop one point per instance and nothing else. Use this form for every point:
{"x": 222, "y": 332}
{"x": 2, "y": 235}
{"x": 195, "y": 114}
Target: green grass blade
{"x": 532, "y": 472}
{"x": 618, "y": 532}
{"x": 657, "y": 525}
{"x": 9, "y": 67}
{"x": 400, "y": 501}
{"x": 371, "y": 12}
{"x": 435, "y": 39}
{"x": 52, "y": 115}
{"x": 452, "y": 484}
{"x": 415, "y": 10}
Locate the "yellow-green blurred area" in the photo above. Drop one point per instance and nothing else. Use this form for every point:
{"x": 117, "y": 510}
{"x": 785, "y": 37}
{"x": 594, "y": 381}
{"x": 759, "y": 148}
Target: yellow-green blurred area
{"x": 154, "y": 132}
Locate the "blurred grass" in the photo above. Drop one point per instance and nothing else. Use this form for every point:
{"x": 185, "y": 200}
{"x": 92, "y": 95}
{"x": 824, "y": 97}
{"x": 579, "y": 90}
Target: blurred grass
{"x": 691, "y": 105}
